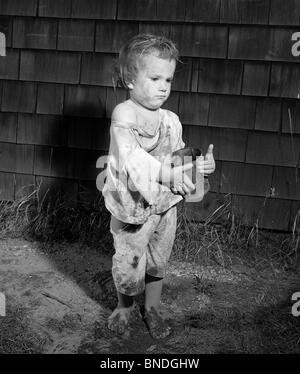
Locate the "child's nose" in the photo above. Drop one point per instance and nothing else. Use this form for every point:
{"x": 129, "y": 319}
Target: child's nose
{"x": 163, "y": 86}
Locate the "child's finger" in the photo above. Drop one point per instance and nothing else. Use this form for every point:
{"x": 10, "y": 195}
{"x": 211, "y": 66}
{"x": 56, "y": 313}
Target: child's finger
{"x": 186, "y": 167}
{"x": 189, "y": 183}
{"x": 210, "y": 149}
{"x": 186, "y": 190}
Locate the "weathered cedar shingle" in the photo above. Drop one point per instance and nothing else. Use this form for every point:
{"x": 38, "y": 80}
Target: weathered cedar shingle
{"x": 215, "y": 178}
{"x": 157, "y": 28}
{"x": 284, "y": 12}
{"x": 50, "y": 66}
{"x": 238, "y": 178}
{"x": 76, "y": 35}
{"x": 137, "y": 9}
{"x": 6, "y": 29}
{"x": 85, "y": 161}
{"x": 268, "y": 114}
{"x": 80, "y": 131}
{"x": 8, "y": 127}
{"x": 42, "y": 157}
{"x": 39, "y": 33}
{"x": 220, "y": 76}
{"x": 285, "y": 80}
{"x": 193, "y": 108}
{"x": 271, "y": 213}
{"x": 24, "y": 185}
{"x": 244, "y": 11}
{"x": 50, "y": 97}
{"x": 172, "y": 103}
{"x": 94, "y": 9}
{"x": 55, "y": 8}
{"x": 41, "y": 129}
{"x": 286, "y": 182}
{"x": 200, "y": 40}
{"x": 232, "y": 144}
{"x": 55, "y": 161}
{"x": 171, "y": 10}
{"x": 7, "y": 186}
{"x": 202, "y": 11}
{"x": 85, "y": 101}
{"x": 261, "y": 43}
{"x": 18, "y": 97}
{"x": 24, "y": 158}
{"x": 110, "y": 36}
{"x": 9, "y": 65}
{"x": 183, "y": 75}
{"x": 195, "y": 74}
{"x": 18, "y": 7}
{"x": 232, "y": 111}
{"x": 272, "y": 149}
{"x": 291, "y": 117}
{"x": 98, "y": 69}
{"x": 114, "y": 97}
{"x": 256, "y": 78}
{"x": 16, "y": 158}
{"x": 101, "y": 135}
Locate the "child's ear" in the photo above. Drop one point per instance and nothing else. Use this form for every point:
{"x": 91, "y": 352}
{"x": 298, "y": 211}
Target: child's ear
{"x": 130, "y": 85}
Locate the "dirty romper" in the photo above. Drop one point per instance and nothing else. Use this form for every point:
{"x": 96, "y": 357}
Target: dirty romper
{"x": 144, "y": 212}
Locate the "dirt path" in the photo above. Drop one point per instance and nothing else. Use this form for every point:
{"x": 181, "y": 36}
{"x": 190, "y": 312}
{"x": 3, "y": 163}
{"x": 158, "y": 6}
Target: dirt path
{"x": 58, "y": 299}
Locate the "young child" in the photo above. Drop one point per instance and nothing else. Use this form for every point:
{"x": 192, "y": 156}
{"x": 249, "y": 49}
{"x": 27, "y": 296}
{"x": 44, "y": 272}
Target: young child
{"x": 141, "y": 189}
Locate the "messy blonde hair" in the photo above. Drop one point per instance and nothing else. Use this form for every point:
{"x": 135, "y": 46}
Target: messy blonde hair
{"x": 138, "y": 47}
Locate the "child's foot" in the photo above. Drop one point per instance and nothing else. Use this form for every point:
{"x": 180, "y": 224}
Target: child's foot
{"x": 157, "y": 326}
{"x": 119, "y": 320}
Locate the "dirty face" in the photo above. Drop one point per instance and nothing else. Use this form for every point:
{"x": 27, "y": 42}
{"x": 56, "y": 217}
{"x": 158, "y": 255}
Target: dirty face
{"x": 152, "y": 84}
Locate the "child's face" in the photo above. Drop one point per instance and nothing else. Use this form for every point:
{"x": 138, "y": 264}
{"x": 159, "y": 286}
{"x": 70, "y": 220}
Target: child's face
{"x": 152, "y": 84}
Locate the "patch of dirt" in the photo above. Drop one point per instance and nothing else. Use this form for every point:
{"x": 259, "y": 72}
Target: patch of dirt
{"x": 59, "y": 297}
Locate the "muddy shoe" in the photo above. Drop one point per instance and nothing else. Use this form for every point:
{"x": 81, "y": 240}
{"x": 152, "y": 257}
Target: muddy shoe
{"x": 157, "y": 326}
{"x": 120, "y": 319}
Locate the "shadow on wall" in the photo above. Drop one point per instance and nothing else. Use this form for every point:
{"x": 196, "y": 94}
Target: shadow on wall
{"x": 68, "y": 167}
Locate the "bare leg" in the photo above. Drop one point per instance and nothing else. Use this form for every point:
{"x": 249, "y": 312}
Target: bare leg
{"x": 156, "y": 325}
{"x": 124, "y": 301}
{"x": 153, "y": 290}
{"x": 118, "y": 321}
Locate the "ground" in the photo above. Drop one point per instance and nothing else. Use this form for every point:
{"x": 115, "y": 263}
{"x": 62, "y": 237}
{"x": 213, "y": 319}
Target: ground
{"x": 58, "y": 298}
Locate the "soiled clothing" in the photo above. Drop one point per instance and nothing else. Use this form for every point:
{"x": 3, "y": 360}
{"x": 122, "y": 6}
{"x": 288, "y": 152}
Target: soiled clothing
{"x": 142, "y": 249}
{"x": 131, "y": 191}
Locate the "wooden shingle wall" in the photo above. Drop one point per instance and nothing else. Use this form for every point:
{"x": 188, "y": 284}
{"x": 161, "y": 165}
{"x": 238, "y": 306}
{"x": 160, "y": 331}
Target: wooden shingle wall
{"x": 237, "y": 87}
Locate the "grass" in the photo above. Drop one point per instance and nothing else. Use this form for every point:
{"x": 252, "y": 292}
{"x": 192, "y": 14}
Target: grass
{"x": 15, "y": 334}
{"x": 222, "y": 239}
{"x": 55, "y": 219}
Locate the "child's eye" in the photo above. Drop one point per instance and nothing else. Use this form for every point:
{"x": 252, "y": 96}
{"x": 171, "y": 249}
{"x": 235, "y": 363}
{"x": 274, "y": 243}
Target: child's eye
{"x": 154, "y": 79}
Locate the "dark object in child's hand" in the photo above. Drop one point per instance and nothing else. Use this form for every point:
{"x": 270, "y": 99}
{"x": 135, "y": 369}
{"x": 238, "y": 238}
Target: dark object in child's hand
{"x": 187, "y": 151}
{"x": 185, "y": 155}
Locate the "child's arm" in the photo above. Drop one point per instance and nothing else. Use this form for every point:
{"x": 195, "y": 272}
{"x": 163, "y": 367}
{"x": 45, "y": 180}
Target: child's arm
{"x": 143, "y": 170}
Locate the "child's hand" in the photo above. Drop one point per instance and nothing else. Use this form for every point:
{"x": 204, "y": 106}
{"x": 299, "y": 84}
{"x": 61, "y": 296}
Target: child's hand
{"x": 181, "y": 183}
{"x": 206, "y": 165}
{"x": 177, "y": 179}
